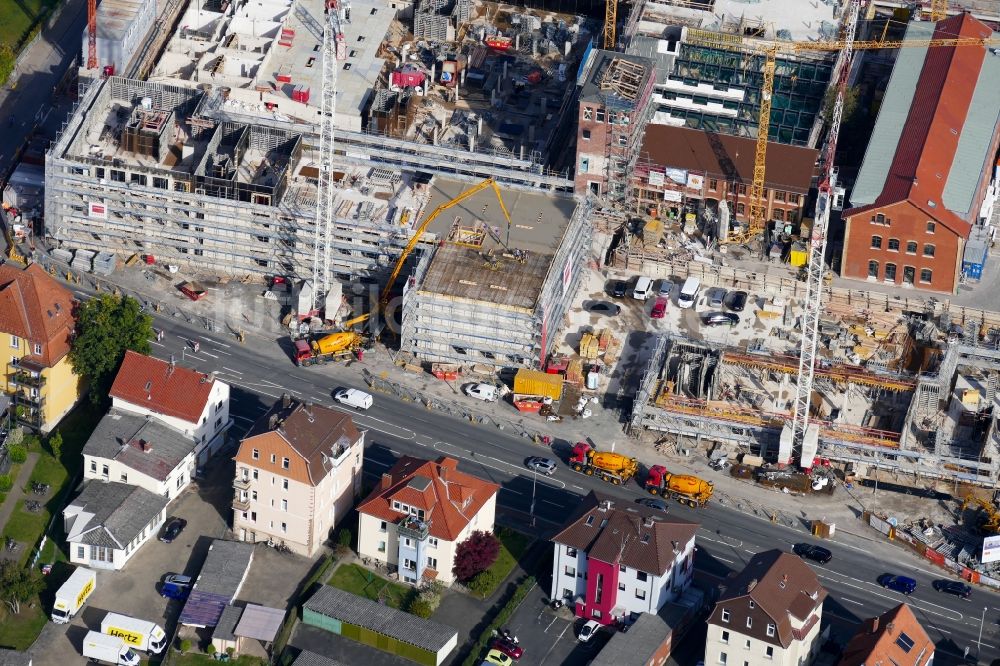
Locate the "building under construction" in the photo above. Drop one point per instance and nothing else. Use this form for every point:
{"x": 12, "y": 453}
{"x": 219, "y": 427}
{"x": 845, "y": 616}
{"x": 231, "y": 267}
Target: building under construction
{"x": 495, "y": 293}
{"x": 940, "y": 428}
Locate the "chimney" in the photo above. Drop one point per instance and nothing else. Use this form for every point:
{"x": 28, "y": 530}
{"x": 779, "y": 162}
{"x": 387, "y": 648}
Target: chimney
{"x": 286, "y": 401}
{"x": 675, "y": 545}
{"x": 647, "y": 521}
{"x": 386, "y": 481}
{"x": 606, "y": 505}
{"x": 272, "y": 422}
{"x": 307, "y": 408}
{"x": 752, "y": 584}
{"x": 146, "y": 446}
{"x": 875, "y": 624}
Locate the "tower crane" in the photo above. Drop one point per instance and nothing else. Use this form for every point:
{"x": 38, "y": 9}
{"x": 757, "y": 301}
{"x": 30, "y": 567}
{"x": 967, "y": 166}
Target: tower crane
{"x": 611, "y": 23}
{"x": 338, "y": 12}
{"x": 91, "y": 34}
{"x": 800, "y": 439}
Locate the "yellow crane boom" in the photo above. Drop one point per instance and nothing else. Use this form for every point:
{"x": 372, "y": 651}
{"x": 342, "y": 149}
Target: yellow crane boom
{"x": 387, "y": 291}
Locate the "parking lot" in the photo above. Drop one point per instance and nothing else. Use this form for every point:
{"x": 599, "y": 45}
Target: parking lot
{"x": 549, "y": 637}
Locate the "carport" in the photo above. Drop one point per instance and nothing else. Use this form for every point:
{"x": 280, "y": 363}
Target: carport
{"x": 254, "y": 622}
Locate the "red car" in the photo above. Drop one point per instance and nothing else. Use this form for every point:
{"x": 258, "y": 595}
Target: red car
{"x": 507, "y": 647}
{"x": 659, "y": 308}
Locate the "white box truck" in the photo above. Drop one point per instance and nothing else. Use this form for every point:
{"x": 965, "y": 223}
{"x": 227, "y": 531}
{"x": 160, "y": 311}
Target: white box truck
{"x": 140, "y": 634}
{"x": 108, "y": 650}
{"x": 73, "y": 594}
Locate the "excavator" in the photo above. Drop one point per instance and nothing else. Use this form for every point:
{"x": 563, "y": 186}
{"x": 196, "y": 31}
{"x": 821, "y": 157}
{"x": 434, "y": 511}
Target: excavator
{"x": 343, "y": 343}
{"x": 989, "y": 522}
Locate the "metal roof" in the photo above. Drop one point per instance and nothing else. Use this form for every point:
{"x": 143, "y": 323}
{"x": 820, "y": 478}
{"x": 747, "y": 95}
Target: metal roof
{"x": 225, "y": 627}
{"x": 307, "y": 658}
{"x": 120, "y": 436}
{"x": 17, "y": 658}
{"x": 260, "y": 622}
{"x": 892, "y": 117}
{"x": 204, "y": 609}
{"x": 111, "y": 514}
{"x": 347, "y": 607}
{"x": 219, "y": 582}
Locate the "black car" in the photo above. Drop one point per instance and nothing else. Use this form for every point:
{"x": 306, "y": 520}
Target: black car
{"x": 172, "y": 529}
{"x": 653, "y": 503}
{"x": 604, "y": 308}
{"x": 960, "y": 590}
{"x": 736, "y": 301}
{"x": 810, "y": 552}
{"x": 720, "y": 319}
{"x": 618, "y": 289}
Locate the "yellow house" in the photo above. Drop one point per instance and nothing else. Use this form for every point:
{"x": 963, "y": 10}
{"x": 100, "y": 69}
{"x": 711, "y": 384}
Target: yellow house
{"x": 36, "y": 326}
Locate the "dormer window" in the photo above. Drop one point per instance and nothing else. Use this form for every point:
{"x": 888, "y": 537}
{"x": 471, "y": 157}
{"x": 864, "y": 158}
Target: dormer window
{"x": 396, "y": 506}
{"x": 590, "y": 521}
{"x": 725, "y": 615}
{"x": 770, "y": 630}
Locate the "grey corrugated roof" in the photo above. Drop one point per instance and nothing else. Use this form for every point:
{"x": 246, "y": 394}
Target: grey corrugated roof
{"x": 111, "y": 514}
{"x": 638, "y": 646}
{"x": 649, "y": 47}
{"x": 892, "y": 117}
{"x": 225, "y": 568}
{"x": 307, "y": 658}
{"x": 975, "y": 139}
{"x": 119, "y": 436}
{"x": 17, "y": 658}
{"x": 260, "y": 622}
{"x": 350, "y": 608}
{"x": 225, "y": 628}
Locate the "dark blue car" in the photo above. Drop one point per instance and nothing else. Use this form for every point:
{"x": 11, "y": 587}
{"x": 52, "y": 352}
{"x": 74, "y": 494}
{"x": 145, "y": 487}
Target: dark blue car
{"x": 900, "y": 584}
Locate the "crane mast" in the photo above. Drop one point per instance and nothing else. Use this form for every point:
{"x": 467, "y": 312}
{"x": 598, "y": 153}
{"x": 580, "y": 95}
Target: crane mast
{"x": 337, "y": 13}
{"x": 805, "y": 438}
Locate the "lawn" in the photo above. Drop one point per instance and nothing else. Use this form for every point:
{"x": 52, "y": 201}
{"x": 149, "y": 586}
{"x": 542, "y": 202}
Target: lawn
{"x": 358, "y": 580}
{"x": 512, "y": 547}
{"x": 196, "y": 659}
{"x": 16, "y": 17}
{"x": 24, "y": 526}
{"x": 20, "y": 631}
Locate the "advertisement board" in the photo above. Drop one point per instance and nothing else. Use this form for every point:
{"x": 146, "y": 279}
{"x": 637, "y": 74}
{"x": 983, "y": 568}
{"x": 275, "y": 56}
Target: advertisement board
{"x": 656, "y": 178}
{"x": 679, "y": 176}
{"x": 991, "y": 549}
{"x": 671, "y": 195}
{"x": 695, "y": 181}
{"x": 97, "y": 210}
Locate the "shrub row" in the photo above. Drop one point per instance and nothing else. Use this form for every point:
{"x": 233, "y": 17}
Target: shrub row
{"x": 499, "y": 621}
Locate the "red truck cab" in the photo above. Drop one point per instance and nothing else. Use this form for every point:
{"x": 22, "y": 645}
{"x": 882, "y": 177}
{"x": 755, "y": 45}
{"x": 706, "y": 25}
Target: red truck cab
{"x": 655, "y": 479}
{"x": 302, "y": 351}
{"x": 579, "y": 453}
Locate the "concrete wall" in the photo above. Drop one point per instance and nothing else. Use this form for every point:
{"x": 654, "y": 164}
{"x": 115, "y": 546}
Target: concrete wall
{"x": 175, "y": 483}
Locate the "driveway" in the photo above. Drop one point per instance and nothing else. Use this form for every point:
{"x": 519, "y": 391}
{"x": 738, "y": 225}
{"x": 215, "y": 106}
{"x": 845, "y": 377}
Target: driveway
{"x": 549, "y": 637}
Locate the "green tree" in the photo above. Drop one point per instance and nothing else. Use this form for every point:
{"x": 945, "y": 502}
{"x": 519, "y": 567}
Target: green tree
{"x": 18, "y": 584}
{"x": 107, "y": 326}
{"x": 55, "y": 444}
{"x": 18, "y": 454}
{"x": 850, "y": 104}
{"x": 185, "y": 645}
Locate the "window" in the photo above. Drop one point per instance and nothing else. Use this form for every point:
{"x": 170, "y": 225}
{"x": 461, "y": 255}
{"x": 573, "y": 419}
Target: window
{"x": 640, "y": 576}
{"x": 725, "y": 615}
{"x": 640, "y": 594}
{"x": 779, "y": 215}
{"x": 623, "y": 139}
{"x": 769, "y": 652}
{"x": 925, "y": 275}
{"x": 880, "y": 219}
{"x": 890, "y": 272}
{"x": 741, "y": 209}
{"x": 725, "y": 637}
{"x": 873, "y": 269}
{"x": 381, "y": 546}
{"x": 218, "y": 422}
{"x": 722, "y": 657}
{"x": 284, "y": 463}
{"x": 584, "y": 165}
{"x": 931, "y": 227}
{"x": 770, "y": 630}
{"x": 600, "y": 115}
{"x": 274, "y": 458}
{"x": 284, "y": 527}
{"x": 586, "y": 135}
{"x": 93, "y": 466}
{"x": 432, "y": 563}
{"x": 409, "y": 564}
{"x": 746, "y": 646}
{"x": 596, "y": 614}
{"x": 284, "y": 505}
{"x": 621, "y": 568}
{"x": 904, "y": 642}
{"x": 779, "y": 195}
{"x": 256, "y": 474}
{"x": 911, "y": 247}
{"x": 894, "y": 244}
{"x": 15, "y": 342}
{"x": 81, "y": 552}
{"x": 432, "y": 542}
{"x": 124, "y": 477}
{"x": 382, "y": 526}
{"x": 255, "y": 454}
{"x": 38, "y": 347}
{"x": 621, "y": 586}
{"x": 928, "y": 250}
{"x": 180, "y": 480}
{"x": 570, "y": 552}
{"x": 284, "y": 484}
{"x": 253, "y": 516}
{"x": 104, "y": 470}
{"x": 396, "y": 505}
{"x": 570, "y": 571}
{"x": 588, "y": 113}
{"x": 752, "y": 604}
{"x": 876, "y": 242}
{"x": 742, "y": 189}
{"x": 793, "y": 199}
{"x": 253, "y": 495}
{"x": 713, "y": 184}
{"x": 909, "y": 272}
{"x": 749, "y": 622}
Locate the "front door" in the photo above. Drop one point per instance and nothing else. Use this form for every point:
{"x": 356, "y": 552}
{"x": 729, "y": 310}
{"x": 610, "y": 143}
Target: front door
{"x": 909, "y": 274}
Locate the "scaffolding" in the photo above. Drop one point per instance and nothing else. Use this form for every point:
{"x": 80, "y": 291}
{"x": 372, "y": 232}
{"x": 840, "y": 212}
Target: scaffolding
{"x": 625, "y": 88}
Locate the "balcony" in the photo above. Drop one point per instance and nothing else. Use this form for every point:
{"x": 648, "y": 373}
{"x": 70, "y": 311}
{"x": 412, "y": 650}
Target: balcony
{"x": 22, "y": 378}
{"x": 241, "y": 483}
{"x": 241, "y": 504}
{"x": 413, "y": 527}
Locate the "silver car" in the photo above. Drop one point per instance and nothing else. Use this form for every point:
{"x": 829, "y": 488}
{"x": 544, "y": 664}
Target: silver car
{"x": 666, "y": 288}
{"x": 717, "y": 297}
{"x": 541, "y": 465}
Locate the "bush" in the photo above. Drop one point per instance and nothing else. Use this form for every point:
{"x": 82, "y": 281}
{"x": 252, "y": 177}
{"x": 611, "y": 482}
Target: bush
{"x": 18, "y": 454}
{"x": 500, "y": 620}
{"x": 484, "y": 582}
{"x": 426, "y": 601}
{"x": 6, "y": 483}
{"x": 15, "y": 436}
{"x": 421, "y": 608}
{"x": 344, "y": 537}
{"x": 185, "y": 645}
{"x": 475, "y": 554}
{"x": 55, "y": 445}
{"x": 210, "y": 650}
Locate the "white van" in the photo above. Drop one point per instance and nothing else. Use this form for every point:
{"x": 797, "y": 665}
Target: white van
{"x": 689, "y": 292}
{"x": 353, "y": 398}
{"x": 643, "y": 288}
{"x": 484, "y": 392}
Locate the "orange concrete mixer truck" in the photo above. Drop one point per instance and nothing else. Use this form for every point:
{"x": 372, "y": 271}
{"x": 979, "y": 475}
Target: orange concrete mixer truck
{"x": 684, "y": 488}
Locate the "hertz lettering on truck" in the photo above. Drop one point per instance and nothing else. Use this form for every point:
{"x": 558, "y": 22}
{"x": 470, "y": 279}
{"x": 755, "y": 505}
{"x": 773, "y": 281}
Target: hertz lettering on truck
{"x": 85, "y": 592}
{"x": 130, "y": 637}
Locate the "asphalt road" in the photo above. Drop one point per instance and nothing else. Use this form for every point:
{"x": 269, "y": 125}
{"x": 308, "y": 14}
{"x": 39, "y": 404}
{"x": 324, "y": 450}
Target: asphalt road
{"x": 727, "y": 537}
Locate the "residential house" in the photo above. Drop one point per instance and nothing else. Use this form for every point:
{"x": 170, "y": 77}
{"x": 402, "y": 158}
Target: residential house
{"x": 298, "y": 472}
{"x": 769, "y": 613}
{"x": 418, "y": 514}
{"x": 192, "y": 402}
{"x": 613, "y": 563}
{"x": 108, "y": 522}
{"x": 36, "y": 326}
{"x": 921, "y": 202}
{"x": 141, "y": 451}
{"x": 894, "y": 637}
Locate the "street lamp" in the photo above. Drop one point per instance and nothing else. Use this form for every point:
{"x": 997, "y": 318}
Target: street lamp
{"x": 534, "y": 483}
{"x": 979, "y": 643}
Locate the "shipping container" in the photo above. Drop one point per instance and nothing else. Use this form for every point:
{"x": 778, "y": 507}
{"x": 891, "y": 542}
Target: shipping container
{"x": 533, "y": 382}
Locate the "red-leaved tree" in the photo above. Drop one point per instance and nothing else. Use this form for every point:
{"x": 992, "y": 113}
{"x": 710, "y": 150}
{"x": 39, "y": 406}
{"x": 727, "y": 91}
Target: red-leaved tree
{"x": 475, "y": 554}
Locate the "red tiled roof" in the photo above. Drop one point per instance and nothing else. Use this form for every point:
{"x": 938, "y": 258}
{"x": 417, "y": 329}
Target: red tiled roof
{"x": 929, "y": 140}
{"x": 448, "y": 498}
{"x": 876, "y": 640}
{"x": 164, "y": 388}
{"x": 35, "y": 307}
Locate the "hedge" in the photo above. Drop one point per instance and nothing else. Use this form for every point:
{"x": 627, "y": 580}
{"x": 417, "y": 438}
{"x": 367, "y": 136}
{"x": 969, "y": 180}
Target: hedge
{"x": 505, "y": 613}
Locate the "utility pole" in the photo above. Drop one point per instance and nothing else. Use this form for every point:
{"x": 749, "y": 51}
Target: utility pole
{"x": 534, "y": 483}
{"x": 979, "y": 643}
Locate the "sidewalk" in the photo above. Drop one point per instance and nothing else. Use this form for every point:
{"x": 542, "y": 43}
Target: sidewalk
{"x": 15, "y": 495}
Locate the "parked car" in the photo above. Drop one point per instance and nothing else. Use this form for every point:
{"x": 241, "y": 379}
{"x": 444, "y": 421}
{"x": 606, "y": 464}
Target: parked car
{"x": 659, "y": 308}
{"x": 736, "y": 301}
{"x": 509, "y": 648}
{"x": 960, "y": 590}
{"x": 484, "y": 392}
{"x": 603, "y": 307}
{"x": 498, "y": 657}
{"x": 618, "y": 289}
{"x": 809, "y": 551}
{"x": 353, "y": 398}
{"x": 666, "y": 288}
{"x": 588, "y": 630}
{"x": 716, "y": 298}
{"x": 541, "y": 465}
{"x": 720, "y": 319}
{"x": 898, "y": 583}
{"x": 176, "y": 586}
{"x": 653, "y": 503}
{"x": 172, "y": 529}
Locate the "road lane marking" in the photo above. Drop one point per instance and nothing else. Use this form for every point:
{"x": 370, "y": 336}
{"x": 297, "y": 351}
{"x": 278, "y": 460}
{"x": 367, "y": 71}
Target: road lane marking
{"x": 215, "y": 342}
{"x": 235, "y": 372}
{"x": 579, "y": 487}
{"x": 206, "y": 353}
{"x": 909, "y": 599}
{"x": 552, "y": 503}
{"x": 158, "y": 344}
{"x": 377, "y": 462}
{"x": 724, "y": 540}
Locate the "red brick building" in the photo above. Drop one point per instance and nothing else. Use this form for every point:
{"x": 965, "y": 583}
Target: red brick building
{"x": 920, "y": 191}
